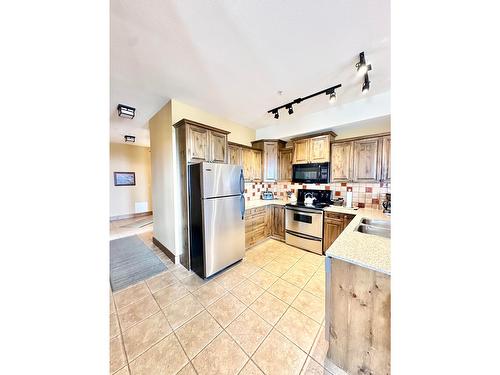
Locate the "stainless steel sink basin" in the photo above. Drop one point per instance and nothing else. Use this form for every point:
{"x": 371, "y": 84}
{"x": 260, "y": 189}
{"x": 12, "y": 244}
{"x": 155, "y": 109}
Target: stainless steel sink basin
{"x": 377, "y": 223}
{"x": 377, "y": 231}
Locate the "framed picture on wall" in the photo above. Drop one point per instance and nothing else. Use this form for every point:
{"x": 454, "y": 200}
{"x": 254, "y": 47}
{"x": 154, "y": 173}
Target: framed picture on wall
{"x": 124, "y": 178}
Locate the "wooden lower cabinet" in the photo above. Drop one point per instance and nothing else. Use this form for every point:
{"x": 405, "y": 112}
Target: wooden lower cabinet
{"x": 263, "y": 222}
{"x": 278, "y": 227}
{"x": 256, "y": 225}
{"x": 334, "y": 224}
{"x": 358, "y": 318}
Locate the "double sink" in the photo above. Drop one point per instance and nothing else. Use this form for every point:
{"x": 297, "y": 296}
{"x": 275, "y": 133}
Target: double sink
{"x": 380, "y": 228}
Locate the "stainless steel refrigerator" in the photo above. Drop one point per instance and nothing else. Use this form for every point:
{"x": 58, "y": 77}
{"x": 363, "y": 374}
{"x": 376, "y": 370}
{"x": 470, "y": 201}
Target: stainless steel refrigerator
{"x": 216, "y": 217}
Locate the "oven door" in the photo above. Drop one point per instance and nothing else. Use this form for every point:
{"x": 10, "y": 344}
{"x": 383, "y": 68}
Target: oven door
{"x": 303, "y": 221}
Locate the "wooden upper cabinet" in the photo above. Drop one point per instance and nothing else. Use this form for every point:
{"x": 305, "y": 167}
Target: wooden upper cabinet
{"x": 218, "y": 147}
{"x": 234, "y": 155}
{"x": 313, "y": 149}
{"x": 248, "y": 162}
{"x": 198, "y": 144}
{"x": 257, "y": 165}
{"x": 201, "y": 142}
{"x": 301, "y": 151}
{"x": 319, "y": 149}
{"x": 285, "y": 164}
{"x": 367, "y": 160}
{"x": 270, "y": 158}
{"x": 341, "y": 164}
{"x": 270, "y": 161}
{"x": 386, "y": 158}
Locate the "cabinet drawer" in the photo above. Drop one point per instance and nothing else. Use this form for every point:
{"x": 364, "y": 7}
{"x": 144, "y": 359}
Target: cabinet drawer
{"x": 259, "y": 220}
{"x": 334, "y": 215}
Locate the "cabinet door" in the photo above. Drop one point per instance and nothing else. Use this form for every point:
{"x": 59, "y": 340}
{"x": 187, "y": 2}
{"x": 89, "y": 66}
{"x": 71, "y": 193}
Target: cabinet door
{"x": 218, "y": 147}
{"x": 269, "y": 221}
{"x": 234, "y": 155}
{"x": 386, "y": 158}
{"x": 279, "y": 222}
{"x": 366, "y": 160}
{"x": 285, "y": 162}
{"x": 270, "y": 161}
{"x": 301, "y": 151}
{"x": 347, "y": 220}
{"x": 341, "y": 166}
{"x": 319, "y": 151}
{"x": 198, "y": 144}
{"x": 332, "y": 229}
{"x": 257, "y": 165}
{"x": 248, "y": 162}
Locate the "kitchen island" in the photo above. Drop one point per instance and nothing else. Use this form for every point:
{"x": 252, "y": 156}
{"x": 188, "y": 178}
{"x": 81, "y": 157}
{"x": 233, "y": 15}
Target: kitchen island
{"x": 358, "y": 298}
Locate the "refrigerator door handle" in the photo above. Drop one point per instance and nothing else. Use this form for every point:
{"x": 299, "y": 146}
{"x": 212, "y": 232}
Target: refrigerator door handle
{"x": 242, "y": 182}
{"x": 242, "y": 207}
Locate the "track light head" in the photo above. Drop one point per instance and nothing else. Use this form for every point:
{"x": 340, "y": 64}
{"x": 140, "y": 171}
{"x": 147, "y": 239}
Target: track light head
{"x": 361, "y": 66}
{"x": 276, "y": 114}
{"x": 333, "y": 96}
{"x": 366, "y": 84}
{"x": 290, "y": 109}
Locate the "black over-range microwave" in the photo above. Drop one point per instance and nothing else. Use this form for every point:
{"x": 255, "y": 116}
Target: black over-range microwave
{"x": 311, "y": 173}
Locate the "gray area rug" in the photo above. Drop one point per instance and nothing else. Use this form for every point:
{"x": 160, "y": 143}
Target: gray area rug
{"x": 139, "y": 223}
{"x": 130, "y": 261}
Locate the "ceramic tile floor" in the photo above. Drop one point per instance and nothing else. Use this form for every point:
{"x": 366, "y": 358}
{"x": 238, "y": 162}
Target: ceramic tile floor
{"x": 264, "y": 315}
{"x": 118, "y": 229}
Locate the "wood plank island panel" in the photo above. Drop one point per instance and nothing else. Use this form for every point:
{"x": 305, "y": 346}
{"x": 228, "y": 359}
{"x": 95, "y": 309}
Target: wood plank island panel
{"x": 359, "y": 319}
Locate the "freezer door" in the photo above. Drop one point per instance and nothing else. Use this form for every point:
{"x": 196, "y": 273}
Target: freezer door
{"x": 224, "y": 233}
{"x": 219, "y": 180}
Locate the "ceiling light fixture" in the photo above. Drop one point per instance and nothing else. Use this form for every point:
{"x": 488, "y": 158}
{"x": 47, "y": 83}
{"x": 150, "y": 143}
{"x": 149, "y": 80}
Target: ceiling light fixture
{"x": 130, "y": 138}
{"x": 126, "y": 111}
{"x": 361, "y": 66}
{"x": 366, "y": 84}
{"x": 329, "y": 91}
{"x": 363, "y": 69}
{"x": 333, "y": 96}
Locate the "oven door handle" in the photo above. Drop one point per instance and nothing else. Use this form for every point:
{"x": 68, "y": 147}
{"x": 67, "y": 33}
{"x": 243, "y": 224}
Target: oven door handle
{"x": 304, "y": 236}
{"x": 305, "y": 210}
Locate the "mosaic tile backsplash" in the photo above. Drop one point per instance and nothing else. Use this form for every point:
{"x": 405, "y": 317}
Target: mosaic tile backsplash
{"x": 367, "y": 195}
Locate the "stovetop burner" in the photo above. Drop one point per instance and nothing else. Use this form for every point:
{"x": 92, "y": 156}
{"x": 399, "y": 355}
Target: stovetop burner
{"x": 323, "y": 199}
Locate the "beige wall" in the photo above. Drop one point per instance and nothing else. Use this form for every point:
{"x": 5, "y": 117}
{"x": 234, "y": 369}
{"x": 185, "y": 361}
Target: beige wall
{"x": 239, "y": 133}
{"x": 165, "y": 186}
{"x": 162, "y": 169}
{"x": 127, "y": 158}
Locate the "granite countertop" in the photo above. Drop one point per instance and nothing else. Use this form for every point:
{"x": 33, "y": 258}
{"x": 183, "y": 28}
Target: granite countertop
{"x": 366, "y": 250}
{"x": 262, "y": 202}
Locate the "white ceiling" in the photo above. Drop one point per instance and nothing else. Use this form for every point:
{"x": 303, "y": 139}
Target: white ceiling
{"x": 231, "y": 57}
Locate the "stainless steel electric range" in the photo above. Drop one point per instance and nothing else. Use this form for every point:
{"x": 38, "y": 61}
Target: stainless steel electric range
{"x": 304, "y": 219}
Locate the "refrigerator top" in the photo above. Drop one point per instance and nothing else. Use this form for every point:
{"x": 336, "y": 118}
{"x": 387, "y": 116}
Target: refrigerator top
{"x": 220, "y": 180}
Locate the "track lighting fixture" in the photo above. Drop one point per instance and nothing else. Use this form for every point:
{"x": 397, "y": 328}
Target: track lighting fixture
{"x": 125, "y": 111}
{"x": 333, "y": 95}
{"x": 329, "y": 91}
{"x": 361, "y": 66}
{"x": 366, "y": 84}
